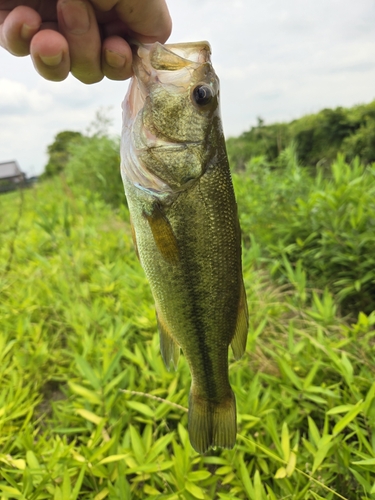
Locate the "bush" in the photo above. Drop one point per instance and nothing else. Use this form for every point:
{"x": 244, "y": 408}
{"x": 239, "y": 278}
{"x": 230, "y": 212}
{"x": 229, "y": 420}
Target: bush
{"x": 266, "y": 195}
{"x": 325, "y": 224}
{"x": 58, "y": 152}
{"x": 94, "y": 165}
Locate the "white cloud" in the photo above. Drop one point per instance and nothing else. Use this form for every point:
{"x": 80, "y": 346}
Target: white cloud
{"x": 17, "y": 98}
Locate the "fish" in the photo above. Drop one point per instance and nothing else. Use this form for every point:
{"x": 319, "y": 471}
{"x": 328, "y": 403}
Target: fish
{"x": 185, "y": 225}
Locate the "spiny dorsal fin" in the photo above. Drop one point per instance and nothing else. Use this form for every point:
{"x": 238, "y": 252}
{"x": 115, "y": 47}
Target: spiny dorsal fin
{"x": 163, "y": 234}
{"x": 238, "y": 342}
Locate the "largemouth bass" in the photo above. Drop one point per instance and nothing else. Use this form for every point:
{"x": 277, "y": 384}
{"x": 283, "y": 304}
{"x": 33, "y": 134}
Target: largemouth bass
{"x": 185, "y": 225}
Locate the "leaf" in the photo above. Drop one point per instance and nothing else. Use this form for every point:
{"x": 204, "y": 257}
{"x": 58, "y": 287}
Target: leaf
{"x": 77, "y": 486}
{"x": 340, "y": 409}
{"x": 141, "y": 408}
{"x": 151, "y": 468}
{"x": 194, "y": 490}
{"x": 89, "y": 415}
{"x": 137, "y": 444}
{"x": 221, "y": 471}
{"x": 66, "y": 486}
{"x": 90, "y": 396}
{"x": 342, "y": 423}
{"x": 12, "y": 491}
{"x": 368, "y": 461}
{"x": 280, "y": 473}
{"x": 198, "y": 475}
{"x": 159, "y": 446}
{"x": 32, "y": 461}
{"x": 362, "y": 481}
{"x": 19, "y": 463}
{"x": 258, "y": 487}
{"x": 289, "y": 373}
{"x": 88, "y": 372}
{"x": 112, "y": 458}
{"x": 246, "y": 481}
{"x": 313, "y": 431}
{"x": 311, "y": 375}
{"x": 285, "y": 445}
{"x": 320, "y": 455}
{"x": 369, "y": 398}
{"x": 290, "y": 468}
{"x": 102, "y": 494}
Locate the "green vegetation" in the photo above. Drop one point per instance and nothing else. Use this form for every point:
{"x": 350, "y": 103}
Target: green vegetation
{"x": 318, "y": 137}
{"x": 88, "y": 410}
{"x": 94, "y": 165}
{"x": 323, "y": 225}
{"x": 58, "y": 152}
{"x": 90, "y": 161}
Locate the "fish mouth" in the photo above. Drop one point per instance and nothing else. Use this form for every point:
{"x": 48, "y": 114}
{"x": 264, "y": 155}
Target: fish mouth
{"x": 171, "y": 146}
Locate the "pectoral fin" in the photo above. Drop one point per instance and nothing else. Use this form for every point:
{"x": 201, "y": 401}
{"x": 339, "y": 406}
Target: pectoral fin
{"x": 170, "y": 351}
{"x": 239, "y": 339}
{"x": 163, "y": 234}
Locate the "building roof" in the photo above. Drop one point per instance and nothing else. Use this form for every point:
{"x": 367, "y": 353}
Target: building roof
{"x": 9, "y": 169}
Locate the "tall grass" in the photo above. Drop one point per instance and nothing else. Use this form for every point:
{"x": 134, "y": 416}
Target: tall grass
{"x": 79, "y": 360}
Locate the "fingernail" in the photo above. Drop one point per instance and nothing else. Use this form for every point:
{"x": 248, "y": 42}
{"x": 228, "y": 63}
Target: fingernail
{"x": 52, "y": 60}
{"x": 28, "y": 31}
{"x": 75, "y": 16}
{"x": 114, "y": 59}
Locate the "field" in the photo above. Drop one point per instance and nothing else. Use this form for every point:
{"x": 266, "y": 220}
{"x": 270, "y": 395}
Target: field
{"x": 87, "y": 408}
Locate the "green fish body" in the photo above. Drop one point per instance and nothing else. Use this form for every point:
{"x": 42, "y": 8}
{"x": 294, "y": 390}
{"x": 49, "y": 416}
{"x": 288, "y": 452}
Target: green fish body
{"x": 185, "y": 225}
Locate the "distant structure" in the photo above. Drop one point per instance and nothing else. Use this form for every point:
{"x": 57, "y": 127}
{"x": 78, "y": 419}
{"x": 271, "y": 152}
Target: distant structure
{"x": 11, "y": 176}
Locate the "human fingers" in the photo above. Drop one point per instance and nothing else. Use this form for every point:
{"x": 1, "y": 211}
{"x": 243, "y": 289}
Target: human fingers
{"x": 17, "y": 27}
{"x": 50, "y": 55}
{"x": 116, "y": 58}
{"x": 146, "y": 20}
{"x": 78, "y": 24}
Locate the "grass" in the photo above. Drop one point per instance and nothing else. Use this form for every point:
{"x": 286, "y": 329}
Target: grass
{"x": 79, "y": 360}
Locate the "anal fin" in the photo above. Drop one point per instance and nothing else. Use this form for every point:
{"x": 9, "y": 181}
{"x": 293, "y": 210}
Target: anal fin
{"x": 169, "y": 348}
{"x": 238, "y": 342}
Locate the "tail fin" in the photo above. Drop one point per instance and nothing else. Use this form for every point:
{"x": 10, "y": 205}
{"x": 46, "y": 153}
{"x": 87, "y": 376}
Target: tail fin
{"x": 212, "y": 424}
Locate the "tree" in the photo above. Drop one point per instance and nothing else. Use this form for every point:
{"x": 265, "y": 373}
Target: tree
{"x": 59, "y": 153}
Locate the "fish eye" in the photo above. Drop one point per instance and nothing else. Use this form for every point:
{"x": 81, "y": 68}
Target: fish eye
{"x": 202, "y": 94}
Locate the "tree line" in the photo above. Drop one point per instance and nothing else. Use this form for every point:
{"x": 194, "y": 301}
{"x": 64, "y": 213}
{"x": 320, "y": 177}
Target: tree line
{"x": 318, "y": 138}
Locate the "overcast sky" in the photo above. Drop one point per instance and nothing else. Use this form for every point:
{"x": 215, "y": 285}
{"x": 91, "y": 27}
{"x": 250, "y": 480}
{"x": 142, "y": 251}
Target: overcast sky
{"x": 276, "y": 59}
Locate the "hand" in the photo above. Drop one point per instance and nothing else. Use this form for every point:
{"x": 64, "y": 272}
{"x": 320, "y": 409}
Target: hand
{"x": 84, "y": 37}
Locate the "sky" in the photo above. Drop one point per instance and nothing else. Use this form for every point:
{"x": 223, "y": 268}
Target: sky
{"x": 277, "y": 60}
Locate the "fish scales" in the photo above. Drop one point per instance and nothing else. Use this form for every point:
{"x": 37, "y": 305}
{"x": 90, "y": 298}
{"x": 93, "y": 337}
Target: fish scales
{"x": 186, "y": 230}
